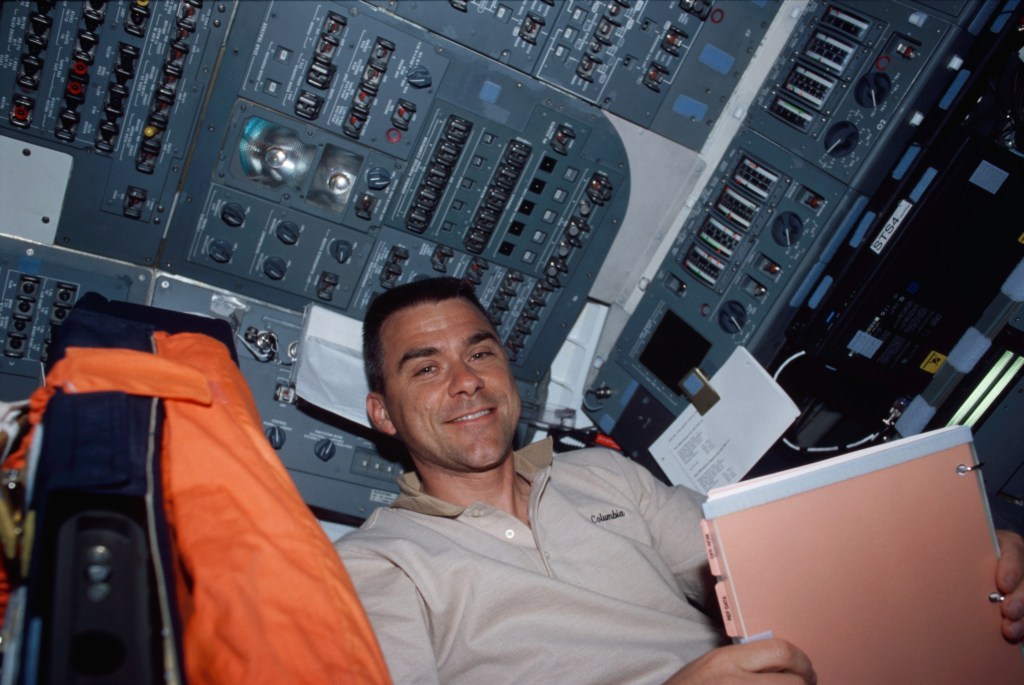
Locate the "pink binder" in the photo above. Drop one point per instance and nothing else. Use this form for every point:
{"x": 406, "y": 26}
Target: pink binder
{"x": 878, "y": 564}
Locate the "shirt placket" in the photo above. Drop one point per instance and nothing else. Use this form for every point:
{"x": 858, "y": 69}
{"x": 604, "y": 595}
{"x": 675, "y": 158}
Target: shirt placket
{"x": 498, "y": 524}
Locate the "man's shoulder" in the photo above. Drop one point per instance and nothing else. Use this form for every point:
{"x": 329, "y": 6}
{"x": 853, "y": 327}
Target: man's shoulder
{"x": 381, "y": 525}
{"x": 597, "y": 459}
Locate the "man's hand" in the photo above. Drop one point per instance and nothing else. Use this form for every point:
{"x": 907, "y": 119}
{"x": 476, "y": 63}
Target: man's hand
{"x": 759, "y": 662}
{"x": 1009, "y": 572}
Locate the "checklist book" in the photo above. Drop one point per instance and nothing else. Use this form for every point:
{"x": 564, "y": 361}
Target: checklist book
{"x": 879, "y": 564}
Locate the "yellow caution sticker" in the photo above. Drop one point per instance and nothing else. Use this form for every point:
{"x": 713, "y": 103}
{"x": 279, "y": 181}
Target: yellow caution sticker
{"x": 933, "y": 362}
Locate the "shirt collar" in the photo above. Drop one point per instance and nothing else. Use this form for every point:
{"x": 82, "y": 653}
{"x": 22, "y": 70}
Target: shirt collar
{"x": 529, "y": 461}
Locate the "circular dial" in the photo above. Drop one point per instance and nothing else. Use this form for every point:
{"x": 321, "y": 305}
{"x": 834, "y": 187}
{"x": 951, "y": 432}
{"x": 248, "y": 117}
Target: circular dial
{"x": 872, "y": 89}
{"x": 275, "y": 268}
{"x": 732, "y": 317}
{"x": 841, "y": 139}
{"x": 787, "y": 228}
{"x": 287, "y": 232}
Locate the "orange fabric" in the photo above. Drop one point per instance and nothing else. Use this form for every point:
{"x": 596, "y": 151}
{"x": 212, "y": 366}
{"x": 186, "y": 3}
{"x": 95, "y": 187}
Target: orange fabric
{"x": 263, "y": 596}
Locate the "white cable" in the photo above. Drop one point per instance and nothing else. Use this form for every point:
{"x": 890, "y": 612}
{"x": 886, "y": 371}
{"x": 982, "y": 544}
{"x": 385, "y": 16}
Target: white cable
{"x": 786, "y": 363}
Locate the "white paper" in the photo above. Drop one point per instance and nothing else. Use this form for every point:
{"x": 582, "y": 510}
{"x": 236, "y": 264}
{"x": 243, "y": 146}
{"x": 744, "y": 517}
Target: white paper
{"x": 329, "y": 368}
{"x": 718, "y": 448}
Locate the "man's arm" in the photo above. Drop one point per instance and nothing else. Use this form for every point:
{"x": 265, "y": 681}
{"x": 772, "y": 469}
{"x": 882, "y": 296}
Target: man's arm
{"x": 396, "y": 613}
{"x": 762, "y": 662}
{"x": 1009, "y": 572}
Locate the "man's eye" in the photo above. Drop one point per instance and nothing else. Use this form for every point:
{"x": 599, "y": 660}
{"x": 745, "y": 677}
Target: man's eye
{"x": 424, "y": 370}
{"x": 482, "y": 354}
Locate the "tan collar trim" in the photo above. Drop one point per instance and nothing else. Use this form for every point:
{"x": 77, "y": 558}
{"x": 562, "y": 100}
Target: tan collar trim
{"x": 529, "y": 461}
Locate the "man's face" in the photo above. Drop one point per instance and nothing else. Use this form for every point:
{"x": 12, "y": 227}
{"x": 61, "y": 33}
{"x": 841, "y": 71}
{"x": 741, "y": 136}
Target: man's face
{"x": 449, "y": 392}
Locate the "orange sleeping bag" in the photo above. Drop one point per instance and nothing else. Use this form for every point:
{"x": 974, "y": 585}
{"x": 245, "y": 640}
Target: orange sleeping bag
{"x": 262, "y": 594}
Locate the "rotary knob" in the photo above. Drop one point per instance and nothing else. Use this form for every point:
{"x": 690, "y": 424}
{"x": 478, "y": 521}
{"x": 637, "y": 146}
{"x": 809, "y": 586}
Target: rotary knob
{"x": 872, "y": 90}
{"x": 324, "y": 449}
{"x": 378, "y": 178}
{"x": 841, "y": 139}
{"x": 419, "y": 77}
{"x": 220, "y": 251}
{"x": 275, "y": 268}
{"x": 341, "y": 250}
{"x": 233, "y": 214}
{"x": 287, "y": 232}
{"x": 787, "y": 228}
{"x": 275, "y": 436}
{"x": 732, "y": 317}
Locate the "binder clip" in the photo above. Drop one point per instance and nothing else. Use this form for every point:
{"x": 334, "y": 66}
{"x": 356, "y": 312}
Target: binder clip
{"x": 697, "y": 389}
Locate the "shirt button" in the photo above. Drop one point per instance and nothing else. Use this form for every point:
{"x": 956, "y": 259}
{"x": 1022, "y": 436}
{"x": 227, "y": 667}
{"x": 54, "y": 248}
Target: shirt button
{"x": 510, "y": 533}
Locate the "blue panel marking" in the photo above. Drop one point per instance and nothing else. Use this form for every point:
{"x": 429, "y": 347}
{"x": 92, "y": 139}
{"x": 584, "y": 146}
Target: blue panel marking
{"x": 862, "y": 229}
{"x": 717, "y": 59}
{"x": 926, "y": 180}
{"x": 489, "y": 92}
{"x": 843, "y": 230}
{"x": 805, "y": 287}
{"x": 688, "y": 107}
{"x": 909, "y": 156}
{"x": 819, "y": 292}
{"x": 955, "y": 87}
{"x": 30, "y": 265}
{"x": 989, "y": 177}
{"x": 627, "y": 394}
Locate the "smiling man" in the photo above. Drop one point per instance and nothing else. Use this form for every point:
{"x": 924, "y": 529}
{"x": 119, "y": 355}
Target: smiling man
{"x": 446, "y": 390}
{"x": 497, "y": 565}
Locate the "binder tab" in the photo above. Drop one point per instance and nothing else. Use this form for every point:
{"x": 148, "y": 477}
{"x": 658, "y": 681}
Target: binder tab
{"x": 727, "y": 605}
{"x": 709, "y": 545}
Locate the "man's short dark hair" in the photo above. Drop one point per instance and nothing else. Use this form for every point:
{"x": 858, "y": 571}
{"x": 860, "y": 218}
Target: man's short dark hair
{"x": 428, "y": 290}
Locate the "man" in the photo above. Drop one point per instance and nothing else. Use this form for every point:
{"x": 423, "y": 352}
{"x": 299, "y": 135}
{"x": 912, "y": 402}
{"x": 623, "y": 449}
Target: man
{"x": 502, "y": 566}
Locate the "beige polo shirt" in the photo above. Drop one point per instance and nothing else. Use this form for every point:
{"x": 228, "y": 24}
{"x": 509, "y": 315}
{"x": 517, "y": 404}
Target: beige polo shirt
{"x": 596, "y": 591}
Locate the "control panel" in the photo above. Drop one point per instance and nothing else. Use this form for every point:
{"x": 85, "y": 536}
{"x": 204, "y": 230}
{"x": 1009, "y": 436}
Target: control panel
{"x": 833, "y": 120}
{"x": 668, "y": 67}
{"x": 119, "y": 86}
{"x": 39, "y": 284}
{"x": 858, "y": 78}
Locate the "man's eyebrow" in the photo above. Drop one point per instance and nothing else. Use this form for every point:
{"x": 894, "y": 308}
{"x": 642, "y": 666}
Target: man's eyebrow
{"x": 479, "y": 337}
{"x": 417, "y": 353}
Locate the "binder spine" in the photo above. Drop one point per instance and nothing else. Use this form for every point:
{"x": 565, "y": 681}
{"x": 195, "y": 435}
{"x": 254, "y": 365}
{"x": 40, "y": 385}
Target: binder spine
{"x": 723, "y": 589}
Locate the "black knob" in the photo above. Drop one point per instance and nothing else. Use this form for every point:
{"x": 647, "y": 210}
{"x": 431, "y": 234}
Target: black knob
{"x": 220, "y": 251}
{"x": 787, "y": 228}
{"x": 841, "y": 139}
{"x": 275, "y": 268}
{"x": 419, "y": 77}
{"x": 732, "y": 317}
{"x": 233, "y": 214}
{"x": 872, "y": 89}
{"x": 341, "y": 250}
{"x": 287, "y": 232}
{"x": 378, "y": 178}
{"x": 39, "y": 23}
{"x": 325, "y": 449}
{"x": 275, "y": 435}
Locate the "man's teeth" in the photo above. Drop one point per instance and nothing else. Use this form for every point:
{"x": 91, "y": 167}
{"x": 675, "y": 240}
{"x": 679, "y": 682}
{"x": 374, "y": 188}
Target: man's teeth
{"x": 475, "y": 415}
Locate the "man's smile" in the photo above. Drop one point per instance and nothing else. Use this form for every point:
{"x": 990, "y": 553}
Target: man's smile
{"x": 470, "y": 417}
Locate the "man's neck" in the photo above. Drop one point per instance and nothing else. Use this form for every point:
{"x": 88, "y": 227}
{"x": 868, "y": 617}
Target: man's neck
{"x": 500, "y": 487}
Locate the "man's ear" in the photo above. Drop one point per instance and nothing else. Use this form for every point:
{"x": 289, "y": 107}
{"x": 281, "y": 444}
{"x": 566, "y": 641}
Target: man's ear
{"x": 378, "y": 413}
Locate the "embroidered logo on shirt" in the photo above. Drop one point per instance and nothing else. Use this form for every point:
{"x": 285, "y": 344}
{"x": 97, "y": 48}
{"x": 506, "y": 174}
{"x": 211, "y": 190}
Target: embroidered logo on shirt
{"x": 601, "y": 518}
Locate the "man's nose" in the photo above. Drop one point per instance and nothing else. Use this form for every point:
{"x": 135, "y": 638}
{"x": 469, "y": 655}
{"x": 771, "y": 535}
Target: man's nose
{"x": 464, "y": 379}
